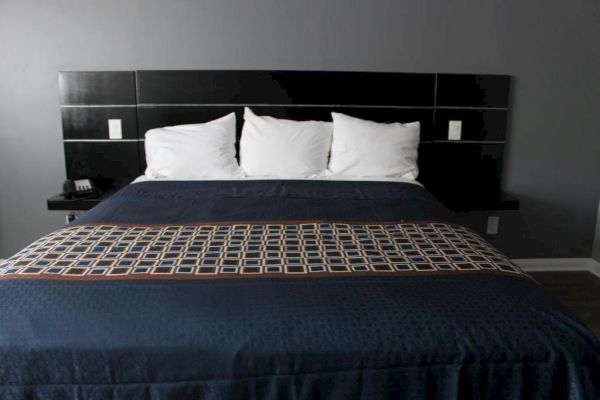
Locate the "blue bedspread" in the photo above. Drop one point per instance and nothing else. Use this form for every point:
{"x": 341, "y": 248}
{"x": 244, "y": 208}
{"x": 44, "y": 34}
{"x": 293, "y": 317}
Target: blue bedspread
{"x": 455, "y": 334}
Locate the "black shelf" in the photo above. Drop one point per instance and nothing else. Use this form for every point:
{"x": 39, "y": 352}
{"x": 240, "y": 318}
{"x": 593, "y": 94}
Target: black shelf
{"x": 59, "y": 203}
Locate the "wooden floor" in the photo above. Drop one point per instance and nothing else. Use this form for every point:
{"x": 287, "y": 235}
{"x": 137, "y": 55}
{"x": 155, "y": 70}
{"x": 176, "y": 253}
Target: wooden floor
{"x": 578, "y": 291}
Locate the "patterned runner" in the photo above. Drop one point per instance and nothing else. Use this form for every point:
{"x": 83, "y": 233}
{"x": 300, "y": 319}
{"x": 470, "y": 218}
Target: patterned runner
{"x": 251, "y": 250}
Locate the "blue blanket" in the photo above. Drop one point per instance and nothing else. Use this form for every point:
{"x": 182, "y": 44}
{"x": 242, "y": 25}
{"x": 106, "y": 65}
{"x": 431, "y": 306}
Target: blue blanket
{"x": 443, "y": 315}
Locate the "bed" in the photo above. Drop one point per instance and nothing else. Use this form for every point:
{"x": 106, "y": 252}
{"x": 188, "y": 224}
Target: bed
{"x": 284, "y": 288}
{"x": 304, "y": 289}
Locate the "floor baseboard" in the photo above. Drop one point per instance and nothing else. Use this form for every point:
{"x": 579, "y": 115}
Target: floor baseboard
{"x": 559, "y": 264}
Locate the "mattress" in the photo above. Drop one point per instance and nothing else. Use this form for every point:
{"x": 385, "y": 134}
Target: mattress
{"x": 267, "y": 289}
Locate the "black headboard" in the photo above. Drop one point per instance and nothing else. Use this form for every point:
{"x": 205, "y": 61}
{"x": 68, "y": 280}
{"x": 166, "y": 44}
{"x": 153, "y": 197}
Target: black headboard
{"x": 464, "y": 174}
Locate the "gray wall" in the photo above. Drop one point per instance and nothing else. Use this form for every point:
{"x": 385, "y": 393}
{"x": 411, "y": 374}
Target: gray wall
{"x": 596, "y": 251}
{"x": 550, "y": 47}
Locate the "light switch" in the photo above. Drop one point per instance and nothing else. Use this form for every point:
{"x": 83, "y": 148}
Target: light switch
{"x": 492, "y": 225}
{"x": 454, "y": 130}
{"x": 114, "y": 129}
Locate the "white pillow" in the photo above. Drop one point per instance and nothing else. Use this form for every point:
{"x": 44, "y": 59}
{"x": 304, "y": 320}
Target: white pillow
{"x": 368, "y": 149}
{"x": 193, "y": 151}
{"x": 272, "y": 147}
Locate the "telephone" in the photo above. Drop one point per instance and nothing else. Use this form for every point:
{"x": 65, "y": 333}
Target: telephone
{"x": 80, "y": 189}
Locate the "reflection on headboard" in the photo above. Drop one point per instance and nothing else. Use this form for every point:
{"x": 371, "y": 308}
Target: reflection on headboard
{"x": 464, "y": 174}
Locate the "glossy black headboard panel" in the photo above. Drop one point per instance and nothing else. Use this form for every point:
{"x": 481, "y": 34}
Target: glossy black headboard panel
{"x": 166, "y": 115}
{"x": 285, "y": 88}
{"x": 478, "y": 91}
{"x": 465, "y": 172}
{"x": 84, "y": 88}
{"x": 88, "y": 100}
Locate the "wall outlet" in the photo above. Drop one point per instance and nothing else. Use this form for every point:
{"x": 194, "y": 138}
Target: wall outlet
{"x": 114, "y": 129}
{"x": 493, "y": 223}
{"x": 454, "y": 130}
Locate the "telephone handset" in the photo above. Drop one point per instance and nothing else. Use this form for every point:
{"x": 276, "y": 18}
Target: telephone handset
{"x": 80, "y": 189}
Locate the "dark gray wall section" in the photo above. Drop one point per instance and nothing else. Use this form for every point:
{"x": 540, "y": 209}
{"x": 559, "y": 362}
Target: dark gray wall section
{"x": 550, "y": 47}
{"x": 596, "y": 252}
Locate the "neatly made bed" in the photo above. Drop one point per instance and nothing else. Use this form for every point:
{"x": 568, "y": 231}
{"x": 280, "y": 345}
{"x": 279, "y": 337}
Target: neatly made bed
{"x": 270, "y": 289}
{"x": 284, "y": 289}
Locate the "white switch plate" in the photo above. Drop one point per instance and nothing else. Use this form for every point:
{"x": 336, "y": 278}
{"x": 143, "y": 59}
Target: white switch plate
{"x": 114, "y": 129}
{"x": 454, "y": 130}
{"x": 492, "y": 225}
